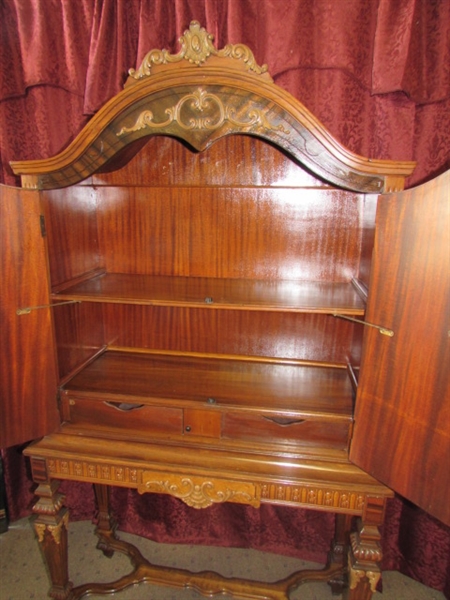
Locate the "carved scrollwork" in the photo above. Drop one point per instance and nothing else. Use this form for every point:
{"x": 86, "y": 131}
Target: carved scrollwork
{"x": 203, "y": 110}
{"x": 196, "y": 47}
{"x": 198, "y": 492}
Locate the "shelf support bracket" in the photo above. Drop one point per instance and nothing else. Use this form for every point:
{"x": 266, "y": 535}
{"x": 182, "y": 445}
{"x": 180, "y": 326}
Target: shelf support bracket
{"x": 26, "y": 310}
{"x": 382, "y": 330}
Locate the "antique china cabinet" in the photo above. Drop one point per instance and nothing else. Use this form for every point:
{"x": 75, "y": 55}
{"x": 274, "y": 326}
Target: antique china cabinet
{"x": 205, "y": 295}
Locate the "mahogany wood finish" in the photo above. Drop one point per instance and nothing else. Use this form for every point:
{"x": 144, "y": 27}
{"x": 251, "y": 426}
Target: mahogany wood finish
{"x": 406, "y": 381}
{"x": 198, "y": 311}
{"x": 28, "y": 370}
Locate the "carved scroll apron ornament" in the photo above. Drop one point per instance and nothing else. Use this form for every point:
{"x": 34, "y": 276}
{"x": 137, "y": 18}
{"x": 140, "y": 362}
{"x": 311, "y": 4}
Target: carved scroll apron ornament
{"x": 198, "y": 492}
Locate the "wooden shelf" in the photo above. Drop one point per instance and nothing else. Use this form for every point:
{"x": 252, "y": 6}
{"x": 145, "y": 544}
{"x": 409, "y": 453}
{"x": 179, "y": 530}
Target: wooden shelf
{"x": 299, "y": 389}
{"x": 235, "y": 294}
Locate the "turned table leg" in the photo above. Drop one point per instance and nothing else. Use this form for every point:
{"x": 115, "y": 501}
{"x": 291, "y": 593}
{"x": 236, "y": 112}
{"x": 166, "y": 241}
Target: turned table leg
{"x": 50, "y": 525}
{"x": 338, "y": 553}
{"x": 364, "y": 554}
{"x": 106, "y": 524}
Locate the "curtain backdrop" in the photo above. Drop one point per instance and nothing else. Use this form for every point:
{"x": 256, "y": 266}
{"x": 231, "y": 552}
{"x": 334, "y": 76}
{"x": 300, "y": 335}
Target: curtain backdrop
{"x": 375, "y": 72}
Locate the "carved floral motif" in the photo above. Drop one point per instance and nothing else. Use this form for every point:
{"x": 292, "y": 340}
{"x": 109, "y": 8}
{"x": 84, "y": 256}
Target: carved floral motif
{"x": 207, "y": 112}
{"x": 196, "y": 47}
{"x": 198, "y": 492}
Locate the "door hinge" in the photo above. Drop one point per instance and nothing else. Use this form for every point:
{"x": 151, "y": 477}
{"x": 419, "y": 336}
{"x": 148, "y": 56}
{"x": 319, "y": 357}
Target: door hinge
{"x": 42, "y": 224}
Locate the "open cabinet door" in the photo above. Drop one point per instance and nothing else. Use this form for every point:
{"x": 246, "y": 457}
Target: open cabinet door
{"x": 402, "y": 417}
{"x": 27, "y": 362}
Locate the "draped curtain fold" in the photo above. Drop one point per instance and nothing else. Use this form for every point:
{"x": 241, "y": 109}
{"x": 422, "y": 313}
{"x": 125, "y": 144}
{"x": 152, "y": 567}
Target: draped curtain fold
{"x": 375, "y": 72}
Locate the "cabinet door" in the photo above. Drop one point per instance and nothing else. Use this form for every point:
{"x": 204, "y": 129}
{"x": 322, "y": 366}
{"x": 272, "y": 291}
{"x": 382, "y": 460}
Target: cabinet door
{"x": 402, "y": 417}
{"x": 27, "y": 360}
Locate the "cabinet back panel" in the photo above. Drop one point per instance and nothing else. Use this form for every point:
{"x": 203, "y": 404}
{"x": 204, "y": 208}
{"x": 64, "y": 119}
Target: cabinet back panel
{"x": 240, "y": 159}
{"x": 314, "y": 337}
{"x": 258, "y": 233}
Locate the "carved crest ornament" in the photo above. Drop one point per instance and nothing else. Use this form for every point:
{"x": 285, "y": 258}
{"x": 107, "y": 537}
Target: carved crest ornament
{"x": 202, "y": 109}
{"x": 196, "y": 47}
{"x": 208, "y": 112}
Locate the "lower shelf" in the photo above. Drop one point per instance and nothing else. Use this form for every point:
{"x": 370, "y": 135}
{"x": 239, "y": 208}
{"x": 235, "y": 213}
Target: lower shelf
{"x": 211, "y": 401}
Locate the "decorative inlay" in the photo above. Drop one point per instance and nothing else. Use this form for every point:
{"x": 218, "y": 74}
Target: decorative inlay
{"x": 198, "y": 492}
{"x": 55, "y": 530}
{"x": 207, "y": 112}
{"x": 196, "y": 47}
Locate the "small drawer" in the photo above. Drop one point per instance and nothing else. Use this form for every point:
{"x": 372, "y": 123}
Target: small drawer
{"x": 278, "y": 429}
{"x": 203, "y": 423}
{"x": 140, "y": 418}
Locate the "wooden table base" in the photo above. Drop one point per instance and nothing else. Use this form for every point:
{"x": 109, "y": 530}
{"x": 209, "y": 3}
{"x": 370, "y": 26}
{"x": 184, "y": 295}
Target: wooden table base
{"x": 207, "y": 583}
{"x": 352, "y": 569}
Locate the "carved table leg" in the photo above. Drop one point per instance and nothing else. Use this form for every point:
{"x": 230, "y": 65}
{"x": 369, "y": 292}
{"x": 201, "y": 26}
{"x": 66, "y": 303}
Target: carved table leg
{"x": 338, "y": 553}
{"x": 106, "y": 524}
{"x": 51, "y": 529}
{"x": 365, "y": 554}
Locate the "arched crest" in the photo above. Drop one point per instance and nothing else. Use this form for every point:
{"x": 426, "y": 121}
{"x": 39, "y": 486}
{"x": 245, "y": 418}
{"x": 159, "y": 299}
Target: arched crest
{"x": 202, "y": 94}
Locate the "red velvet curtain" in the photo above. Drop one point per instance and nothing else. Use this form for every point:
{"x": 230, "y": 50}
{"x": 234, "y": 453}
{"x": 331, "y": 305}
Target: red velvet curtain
{"x": 375, "y": 72}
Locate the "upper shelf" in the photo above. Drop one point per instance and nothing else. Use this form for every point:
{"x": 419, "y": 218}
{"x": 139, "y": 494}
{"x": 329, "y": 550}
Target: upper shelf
{"x": 200, "y": 95}
{"x": 235, "y": 294}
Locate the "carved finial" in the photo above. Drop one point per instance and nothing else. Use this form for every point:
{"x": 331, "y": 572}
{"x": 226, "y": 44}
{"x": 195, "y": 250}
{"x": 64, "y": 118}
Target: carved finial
{"x": 196, "y": 47}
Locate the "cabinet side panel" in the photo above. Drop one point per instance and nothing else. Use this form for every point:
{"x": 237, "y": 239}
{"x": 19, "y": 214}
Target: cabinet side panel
{"x": 402, "y": 417}
{"x": 27, "y": 365}
{"x": 79, "y": 334}
{"x": 368, "y": 214}
{"x": 368, "y": 206}
{"x": 71, "y": 221}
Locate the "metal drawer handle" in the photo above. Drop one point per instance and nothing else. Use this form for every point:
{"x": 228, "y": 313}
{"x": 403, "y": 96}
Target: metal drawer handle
{"x": 123, "y": 406}
{"x": 285, "y": 421}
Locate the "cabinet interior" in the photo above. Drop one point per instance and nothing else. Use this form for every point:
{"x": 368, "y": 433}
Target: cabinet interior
{"x": 204, "y": 288}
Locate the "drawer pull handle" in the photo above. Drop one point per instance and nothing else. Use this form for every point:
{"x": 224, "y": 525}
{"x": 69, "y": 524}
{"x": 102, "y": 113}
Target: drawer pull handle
{"x": 124, "y": 406}
{"x": 285, "y": 421}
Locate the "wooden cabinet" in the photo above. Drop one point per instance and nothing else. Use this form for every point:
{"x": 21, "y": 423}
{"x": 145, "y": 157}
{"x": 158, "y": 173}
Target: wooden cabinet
{"x": 201, "y": 259}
